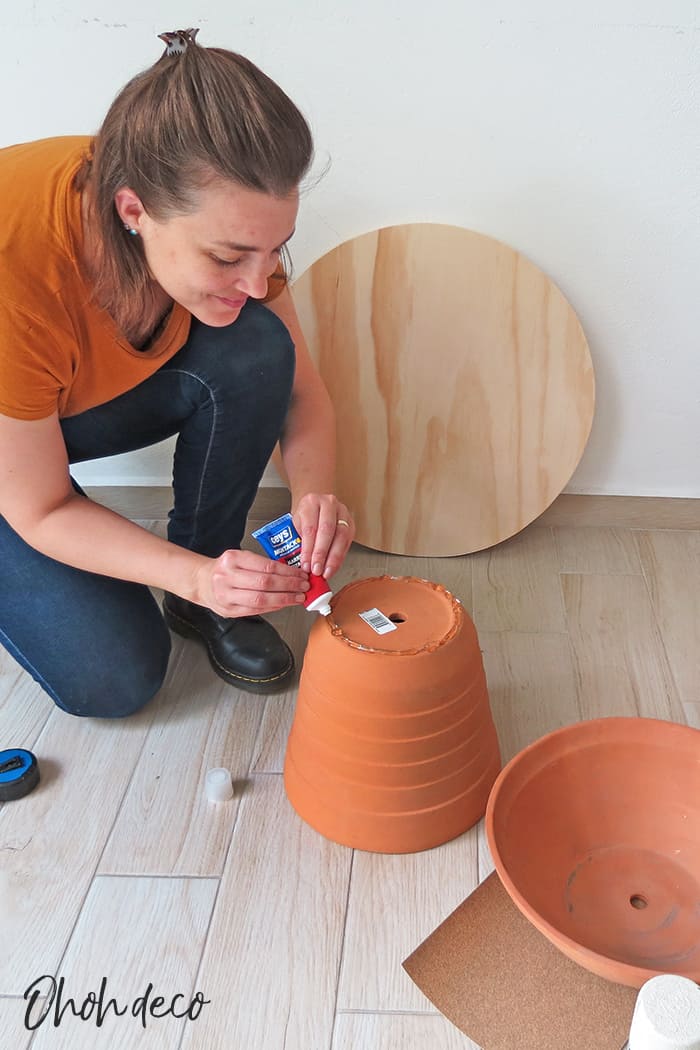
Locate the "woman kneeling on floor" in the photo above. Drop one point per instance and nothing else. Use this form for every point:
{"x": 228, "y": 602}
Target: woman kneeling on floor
{"x": 143, "y": 296}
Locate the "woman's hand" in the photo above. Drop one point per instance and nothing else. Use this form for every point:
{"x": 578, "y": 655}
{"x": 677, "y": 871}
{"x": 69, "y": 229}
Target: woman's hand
{"x": 241, "y": 583}
{"x": 326, "y": 529}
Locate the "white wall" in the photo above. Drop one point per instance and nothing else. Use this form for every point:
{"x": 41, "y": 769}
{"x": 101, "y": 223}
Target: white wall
{"x": 571, "y": 131}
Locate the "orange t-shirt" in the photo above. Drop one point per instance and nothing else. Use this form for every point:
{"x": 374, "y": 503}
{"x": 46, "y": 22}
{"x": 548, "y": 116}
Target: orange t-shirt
{"x": 58, "y": 351}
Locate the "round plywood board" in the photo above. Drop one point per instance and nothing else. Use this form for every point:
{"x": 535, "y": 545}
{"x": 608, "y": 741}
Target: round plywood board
{"x": 462, "y": 384}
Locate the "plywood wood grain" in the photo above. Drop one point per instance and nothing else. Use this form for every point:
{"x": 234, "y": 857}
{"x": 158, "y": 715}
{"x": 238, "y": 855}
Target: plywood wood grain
{"x": 462, "y": 384}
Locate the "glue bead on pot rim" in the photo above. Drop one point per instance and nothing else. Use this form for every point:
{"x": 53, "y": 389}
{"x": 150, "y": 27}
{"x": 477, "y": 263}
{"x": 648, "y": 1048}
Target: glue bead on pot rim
{"x": 281, "y": 541}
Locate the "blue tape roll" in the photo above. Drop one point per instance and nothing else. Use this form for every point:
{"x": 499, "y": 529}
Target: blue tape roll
{"x": 19, "y": 773}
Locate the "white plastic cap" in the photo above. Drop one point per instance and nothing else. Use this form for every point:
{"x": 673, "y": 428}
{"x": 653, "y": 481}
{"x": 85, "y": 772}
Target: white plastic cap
{"x": 218, "y": 785}
{"x": 321, "y": 604}
{"x": 666, "y": 1015}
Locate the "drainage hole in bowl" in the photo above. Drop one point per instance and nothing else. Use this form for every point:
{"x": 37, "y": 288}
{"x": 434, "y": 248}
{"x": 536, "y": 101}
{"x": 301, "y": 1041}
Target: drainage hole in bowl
{"x": 397, "y": 618}
{"x": 638, "y": 901}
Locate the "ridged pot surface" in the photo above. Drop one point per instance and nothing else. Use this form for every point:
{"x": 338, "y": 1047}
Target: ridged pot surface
{"x": 393, "y": 747}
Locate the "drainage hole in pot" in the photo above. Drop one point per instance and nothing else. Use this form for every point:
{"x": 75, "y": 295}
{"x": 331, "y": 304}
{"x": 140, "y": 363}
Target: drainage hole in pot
{"x": 638, "y": 901}
{"x": 397, "y": 618}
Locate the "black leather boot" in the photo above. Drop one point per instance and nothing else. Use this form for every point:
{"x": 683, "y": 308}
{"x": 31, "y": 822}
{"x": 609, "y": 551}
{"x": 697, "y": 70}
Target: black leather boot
{"x": 245, "y": 651}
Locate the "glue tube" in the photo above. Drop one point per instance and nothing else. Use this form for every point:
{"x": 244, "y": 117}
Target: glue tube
{"x": 281, "y": 541}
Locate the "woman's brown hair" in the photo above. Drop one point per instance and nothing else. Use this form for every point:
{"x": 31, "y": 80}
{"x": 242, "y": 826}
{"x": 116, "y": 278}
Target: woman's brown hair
{"x": 198, "y": 113}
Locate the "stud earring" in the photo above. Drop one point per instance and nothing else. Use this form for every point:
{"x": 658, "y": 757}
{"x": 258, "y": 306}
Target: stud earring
{"x": 131, "y": 230}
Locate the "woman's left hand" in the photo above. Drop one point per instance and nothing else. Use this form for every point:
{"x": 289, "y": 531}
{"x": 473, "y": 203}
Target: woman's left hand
{"x": 326, "y": 529}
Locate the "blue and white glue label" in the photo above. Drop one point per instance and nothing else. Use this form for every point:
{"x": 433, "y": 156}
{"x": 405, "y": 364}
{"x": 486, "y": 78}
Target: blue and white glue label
{"x": 280, "y": 540}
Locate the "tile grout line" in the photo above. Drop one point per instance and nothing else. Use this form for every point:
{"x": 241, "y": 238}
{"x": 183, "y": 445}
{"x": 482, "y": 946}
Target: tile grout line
{"x": 152, "y": 875}
{"x": 662, "y": 640}
{"x": 32, "y": 742}
{"x": 479, "y": 861}
{"x": 560, "y": 588}
{"x": 390, "y": 1013}
{"x": 255, "y": 750}
{"x": 137, "y": 760}
{"x": 572, "y": 652}
{"x": 657, "y": 624}
{"x": 471, "y": 589}
{"x": 95, "y": 875}
{"x": 341, "y": 955}
{"x": 604, "y": 575}
{"x": 205, "y": 938}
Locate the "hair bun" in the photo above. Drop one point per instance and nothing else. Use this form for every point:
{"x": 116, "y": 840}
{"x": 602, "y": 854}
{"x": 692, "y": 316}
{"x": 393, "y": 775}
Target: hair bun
{"x": 177, "y": 41}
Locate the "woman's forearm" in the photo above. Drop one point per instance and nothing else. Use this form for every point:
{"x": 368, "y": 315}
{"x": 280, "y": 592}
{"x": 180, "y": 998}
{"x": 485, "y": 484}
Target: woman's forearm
{"x": 82, "y": 533}
{"x": 308, "y": 446}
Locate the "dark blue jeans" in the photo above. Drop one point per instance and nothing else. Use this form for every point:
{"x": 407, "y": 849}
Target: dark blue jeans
{"x": 97, "y": 645}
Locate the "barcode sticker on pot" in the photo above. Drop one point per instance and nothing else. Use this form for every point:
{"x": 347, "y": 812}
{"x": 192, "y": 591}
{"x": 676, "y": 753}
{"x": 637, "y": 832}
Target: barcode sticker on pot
{"x": 378, "y": 621}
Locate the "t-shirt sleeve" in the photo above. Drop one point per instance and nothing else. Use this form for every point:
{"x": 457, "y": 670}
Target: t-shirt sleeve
{"x": 33, "y": 365}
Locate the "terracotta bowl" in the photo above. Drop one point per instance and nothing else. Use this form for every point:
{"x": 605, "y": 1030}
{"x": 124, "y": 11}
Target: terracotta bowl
{"x": 393, "y": 748}
{"x": 595, "y": 834}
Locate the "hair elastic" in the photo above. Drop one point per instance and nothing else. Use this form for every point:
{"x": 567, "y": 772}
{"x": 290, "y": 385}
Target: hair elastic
{"x": 177, "y": 41}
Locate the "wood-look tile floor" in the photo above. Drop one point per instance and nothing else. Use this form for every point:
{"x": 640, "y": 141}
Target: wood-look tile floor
{"x": 117, "y": 874}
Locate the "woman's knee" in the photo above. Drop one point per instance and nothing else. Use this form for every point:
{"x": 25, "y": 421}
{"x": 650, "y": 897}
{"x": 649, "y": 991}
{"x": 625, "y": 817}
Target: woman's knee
{"x": 268, "y": 335}
{"x": 103, "y": 655}
{"x": 116, "y": 687}
{"x": 256, "y": 351}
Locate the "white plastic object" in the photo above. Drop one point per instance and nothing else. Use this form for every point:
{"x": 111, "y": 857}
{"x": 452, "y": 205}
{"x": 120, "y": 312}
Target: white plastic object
{"x": 218, "y": 785}
{"x": 666, "y": 1015}
{"x": 321, "y": 604}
